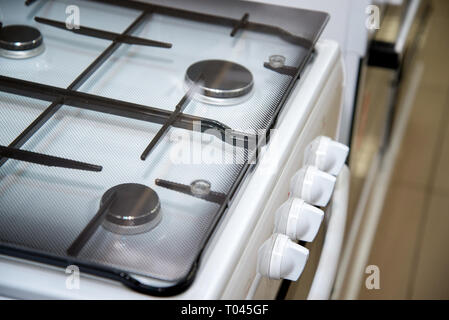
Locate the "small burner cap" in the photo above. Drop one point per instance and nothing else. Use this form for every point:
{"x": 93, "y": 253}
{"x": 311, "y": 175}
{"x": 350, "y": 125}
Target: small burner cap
{"x": 20, "y": 41}
{"x": 220, "y": 78}
{"x": 134, "y": 209}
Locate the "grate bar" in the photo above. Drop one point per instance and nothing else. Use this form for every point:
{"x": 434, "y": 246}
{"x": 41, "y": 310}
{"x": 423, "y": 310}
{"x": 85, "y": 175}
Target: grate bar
{"x": 29, "y": 2}
{"x": 241, "y": 24}
{"x": 170, "y": 121}
{"x": 106, "y": 35}
{"x": 81, "y": 79}
{"x": 46, "y": 160}
{"x": 119, "y": 108}
{"x": 213, "y": 19}
{"x": 90, "y": 229}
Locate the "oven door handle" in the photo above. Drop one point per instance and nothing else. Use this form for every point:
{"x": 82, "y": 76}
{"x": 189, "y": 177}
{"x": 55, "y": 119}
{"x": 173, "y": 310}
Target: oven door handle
{"x": 404, "y": 31}
{"x": 324, "y": 278}
{"x": 389, "y": 55}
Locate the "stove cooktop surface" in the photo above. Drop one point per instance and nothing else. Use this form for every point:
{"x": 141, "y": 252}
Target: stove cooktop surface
{"x": 124, "y": 140}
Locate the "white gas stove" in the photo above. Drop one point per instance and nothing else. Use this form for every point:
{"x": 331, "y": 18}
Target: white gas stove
{"x": 134, "y": 146}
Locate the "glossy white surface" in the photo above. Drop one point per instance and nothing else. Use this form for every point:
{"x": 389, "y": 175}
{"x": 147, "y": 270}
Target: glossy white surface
{"x": 326, "y": 154}
{"x": 298, "y": 220}
{"x": 312, "y": 185}
{"x": 284, "y": 258}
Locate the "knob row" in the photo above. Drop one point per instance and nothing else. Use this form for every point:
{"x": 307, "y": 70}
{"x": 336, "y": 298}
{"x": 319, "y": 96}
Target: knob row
{"x": 298, "y": 219}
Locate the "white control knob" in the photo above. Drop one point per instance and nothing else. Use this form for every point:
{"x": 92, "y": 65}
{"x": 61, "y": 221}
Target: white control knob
{"x": 326, "y": 154}
{"x": 298, "y": 220}
{"x": 312, "y": 185}
{"x": 281, "y": 258}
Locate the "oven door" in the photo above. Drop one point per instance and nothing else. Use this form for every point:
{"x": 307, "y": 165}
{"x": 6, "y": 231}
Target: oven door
{"x": 380, "y": 112}
{"x": 391, "y": 53}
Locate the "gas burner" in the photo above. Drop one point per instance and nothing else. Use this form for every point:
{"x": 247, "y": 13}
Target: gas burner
{"x": 134, "y": 209}
{"x": 20, "y": 42}
{"x": 220, "y": 79}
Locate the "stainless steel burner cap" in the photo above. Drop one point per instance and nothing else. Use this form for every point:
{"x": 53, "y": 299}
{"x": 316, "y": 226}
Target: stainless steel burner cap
{"x": 134, "y": 209}
{"x": 20, "y": 42}
{"x": 220, "y": 78}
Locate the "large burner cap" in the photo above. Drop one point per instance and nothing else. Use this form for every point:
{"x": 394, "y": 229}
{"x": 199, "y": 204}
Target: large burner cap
{"x": 134, "y": 209}
{"x": 20, "y": 41}
{"x": 220, "y": 78}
